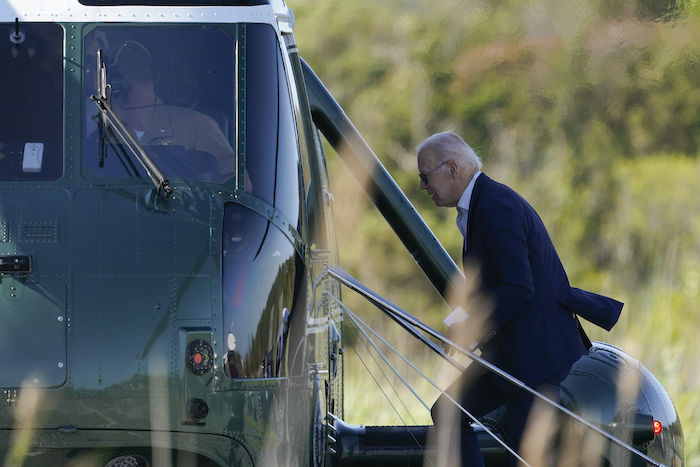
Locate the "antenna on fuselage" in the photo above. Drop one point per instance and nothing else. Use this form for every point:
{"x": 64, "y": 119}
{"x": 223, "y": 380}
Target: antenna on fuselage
{"x": 17, "y": 37}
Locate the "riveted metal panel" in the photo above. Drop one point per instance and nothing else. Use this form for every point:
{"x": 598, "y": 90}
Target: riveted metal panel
{"x": 33, "y": 334}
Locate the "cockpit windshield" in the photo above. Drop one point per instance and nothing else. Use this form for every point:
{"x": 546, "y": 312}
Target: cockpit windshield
{"x": 31, "y": 98}
{"x": 173, "y": 88}
{"x": 205, "y": 102}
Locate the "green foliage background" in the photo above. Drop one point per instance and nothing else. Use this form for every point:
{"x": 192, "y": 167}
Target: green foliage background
{"x": 589, "y": 109}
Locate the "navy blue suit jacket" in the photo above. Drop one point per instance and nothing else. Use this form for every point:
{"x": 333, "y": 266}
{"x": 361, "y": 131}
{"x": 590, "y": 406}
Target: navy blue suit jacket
{"x": 536, "y": 334}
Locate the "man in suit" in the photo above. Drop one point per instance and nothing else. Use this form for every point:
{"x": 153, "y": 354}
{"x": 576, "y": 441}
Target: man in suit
{"x": 532, "y": 331}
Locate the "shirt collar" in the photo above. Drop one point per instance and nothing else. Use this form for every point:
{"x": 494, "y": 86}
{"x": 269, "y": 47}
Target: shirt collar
{"x": 465, "y": 200}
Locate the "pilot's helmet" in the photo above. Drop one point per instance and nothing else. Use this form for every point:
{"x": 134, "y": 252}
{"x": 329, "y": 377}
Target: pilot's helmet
{"x": 132, "y": 64}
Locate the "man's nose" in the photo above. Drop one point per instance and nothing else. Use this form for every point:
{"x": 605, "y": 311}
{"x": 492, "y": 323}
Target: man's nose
{"x": 423, "y": 185}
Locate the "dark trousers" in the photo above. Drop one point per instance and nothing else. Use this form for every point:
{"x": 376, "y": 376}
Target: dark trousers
{"x": 477, "y": 391}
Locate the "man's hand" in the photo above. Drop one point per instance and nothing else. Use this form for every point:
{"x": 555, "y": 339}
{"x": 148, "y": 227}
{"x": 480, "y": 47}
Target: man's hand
{"x": 462, "y": 334}
{"x": 456, "y": 333}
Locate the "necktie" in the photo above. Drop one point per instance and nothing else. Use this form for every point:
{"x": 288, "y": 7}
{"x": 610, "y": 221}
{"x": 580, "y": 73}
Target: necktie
{"x": 462, "y": 221}
{"x": 462, "y": 216}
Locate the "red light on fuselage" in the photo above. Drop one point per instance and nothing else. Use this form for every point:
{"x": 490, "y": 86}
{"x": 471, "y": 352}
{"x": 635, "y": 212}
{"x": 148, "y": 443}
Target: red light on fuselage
{"x": 657, "y": 427}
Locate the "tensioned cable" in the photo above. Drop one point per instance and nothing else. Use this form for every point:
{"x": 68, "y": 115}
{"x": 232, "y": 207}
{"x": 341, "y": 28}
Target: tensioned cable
{"x": 354, "y": 317}
{"x": 410, "y": 323}
{"x": 350, "y": 315}
{"x": 357, "y": 319}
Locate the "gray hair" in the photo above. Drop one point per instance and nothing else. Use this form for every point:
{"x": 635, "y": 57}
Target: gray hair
{"x": 448, "y": 145}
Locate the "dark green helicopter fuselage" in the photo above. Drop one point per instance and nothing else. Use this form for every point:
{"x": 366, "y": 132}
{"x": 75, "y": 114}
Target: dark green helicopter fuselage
{"x": 142, "y": 321}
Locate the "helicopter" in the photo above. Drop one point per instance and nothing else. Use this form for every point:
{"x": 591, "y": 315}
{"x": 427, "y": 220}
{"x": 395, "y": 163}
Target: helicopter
{"x": 168, "y": 260}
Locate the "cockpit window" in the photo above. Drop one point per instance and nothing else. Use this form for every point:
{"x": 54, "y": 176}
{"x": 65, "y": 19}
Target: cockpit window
{"x": 31, "y": 98}
{"x": 269, "y": 140}
{"x": 173, "y": 89}
{"x": 208, "y": 103}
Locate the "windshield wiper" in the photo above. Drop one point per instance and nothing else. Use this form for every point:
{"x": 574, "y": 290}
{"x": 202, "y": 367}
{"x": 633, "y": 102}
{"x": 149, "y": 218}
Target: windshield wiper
{"x": 109, "y": 117}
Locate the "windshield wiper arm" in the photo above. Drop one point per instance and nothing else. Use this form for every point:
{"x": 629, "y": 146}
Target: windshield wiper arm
{"x": 132, "y": 143}
{"x": 108, "y": 116}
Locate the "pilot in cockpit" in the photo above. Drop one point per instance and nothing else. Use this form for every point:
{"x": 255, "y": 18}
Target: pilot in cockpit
{"x": 132, "y": 79}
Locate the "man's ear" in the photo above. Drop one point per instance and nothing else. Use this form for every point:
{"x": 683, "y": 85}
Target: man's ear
{"x": 452, "y": 165}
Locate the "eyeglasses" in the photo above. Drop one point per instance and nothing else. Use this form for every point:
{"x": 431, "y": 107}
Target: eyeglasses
{"x": 424, "y": 177}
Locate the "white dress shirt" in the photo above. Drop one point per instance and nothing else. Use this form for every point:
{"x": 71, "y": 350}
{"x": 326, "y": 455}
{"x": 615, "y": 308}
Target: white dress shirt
{"x": 463, "y": 206}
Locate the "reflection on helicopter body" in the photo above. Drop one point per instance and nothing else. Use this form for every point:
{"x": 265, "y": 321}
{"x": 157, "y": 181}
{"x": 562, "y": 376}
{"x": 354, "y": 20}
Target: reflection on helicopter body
{"x": 263, "y": 278}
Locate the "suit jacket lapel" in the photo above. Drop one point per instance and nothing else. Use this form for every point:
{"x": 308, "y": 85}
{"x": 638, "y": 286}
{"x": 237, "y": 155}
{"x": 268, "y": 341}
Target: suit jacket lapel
{"x": 478, "y": 185}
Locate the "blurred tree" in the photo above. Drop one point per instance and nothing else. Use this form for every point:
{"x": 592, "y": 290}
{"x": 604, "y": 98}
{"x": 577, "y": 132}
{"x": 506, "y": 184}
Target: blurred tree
{"x": 589, "y": 109}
